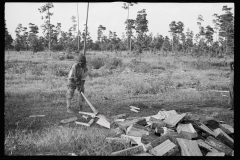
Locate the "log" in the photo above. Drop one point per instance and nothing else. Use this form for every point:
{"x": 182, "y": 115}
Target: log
{"x": 206, "y": 129}
{"x": 189, "y": 147}
{"x": 187, "y": 129}
{"x": 173, "y": 119}
{"x": 206, "y": 146}
{"x": 215, "y": 154}
{"x": 219, "y": 145}
{"x": 224, "y": 138}
{"x": 167, "y": 148}
{"x": 128, "y": 151}
{"x": 227, "y": 128}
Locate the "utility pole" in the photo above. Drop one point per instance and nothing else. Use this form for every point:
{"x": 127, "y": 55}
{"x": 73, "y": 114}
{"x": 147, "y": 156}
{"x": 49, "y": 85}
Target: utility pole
{"x": 84, "y": 49}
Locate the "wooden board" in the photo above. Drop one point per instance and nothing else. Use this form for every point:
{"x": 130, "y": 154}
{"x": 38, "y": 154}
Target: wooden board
{"x": 165, "y": 148}
{"x": 219, "y": 145}
{"x": 189, "y": 147}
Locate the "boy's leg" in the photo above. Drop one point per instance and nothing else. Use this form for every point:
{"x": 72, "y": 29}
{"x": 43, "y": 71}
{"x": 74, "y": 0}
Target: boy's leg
{"x": 69, "y": 95}
{"x": 81, "y": 99}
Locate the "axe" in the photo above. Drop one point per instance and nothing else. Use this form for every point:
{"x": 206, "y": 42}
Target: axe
{"x": 102, "y": 119}
{"x": 95, "y": 111}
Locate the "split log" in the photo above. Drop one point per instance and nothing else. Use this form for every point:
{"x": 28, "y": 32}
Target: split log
{"x": 167, "y": 148}
{"x": 215, "y": 154}
{"x": 206, "y": 146}
{"x": 173, "y": 119}
{"x": 227, "y": 128}
{"x": 219, "y": 145}
{"x": 189, "y": 147}
{"x": 136, "y": 132}
{"x": 206, "y": 129}
{"x": 224, "y": 138}
{"x": 187, "y": 129}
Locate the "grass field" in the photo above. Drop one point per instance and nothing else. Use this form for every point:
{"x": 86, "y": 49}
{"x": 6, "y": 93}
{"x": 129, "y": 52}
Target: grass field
{"x": 36, "y": 85}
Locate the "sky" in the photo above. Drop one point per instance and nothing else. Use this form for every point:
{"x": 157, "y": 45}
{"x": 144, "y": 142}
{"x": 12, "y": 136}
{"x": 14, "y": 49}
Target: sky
{"x": 112, "y": 16}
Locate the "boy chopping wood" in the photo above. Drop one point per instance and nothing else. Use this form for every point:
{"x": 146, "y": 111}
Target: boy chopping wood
{"x": 76, "y": 79}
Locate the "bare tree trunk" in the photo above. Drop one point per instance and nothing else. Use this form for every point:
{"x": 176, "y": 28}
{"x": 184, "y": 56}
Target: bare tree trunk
{"x": 49, "y": 30}
{"x": 84, "y": 49}
{"x": 78, "y": 27}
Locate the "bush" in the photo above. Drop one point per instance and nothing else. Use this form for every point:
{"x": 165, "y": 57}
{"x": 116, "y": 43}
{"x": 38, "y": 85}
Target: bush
{"x": 57, "y": 70}
{"x": 68, "y": 56}
{"x": 113, "y": 63}
{"x": 97, "y": 63}
{"x": 141, "y": 67}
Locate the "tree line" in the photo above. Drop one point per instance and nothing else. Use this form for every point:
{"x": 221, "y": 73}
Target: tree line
{"x": 135, "y": 38}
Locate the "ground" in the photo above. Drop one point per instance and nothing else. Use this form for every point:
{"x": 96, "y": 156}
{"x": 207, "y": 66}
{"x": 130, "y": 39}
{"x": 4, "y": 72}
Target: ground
{"x": 35, "y": 84}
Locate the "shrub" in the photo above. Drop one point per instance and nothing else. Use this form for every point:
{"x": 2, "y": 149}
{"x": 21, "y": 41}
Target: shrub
{"x": 113, "y": 63}
{"x": 57, "y": 70}
{"x": 97, "y": 63}
{"x": 68, "y": 56}
{"x": 141, "y": 67}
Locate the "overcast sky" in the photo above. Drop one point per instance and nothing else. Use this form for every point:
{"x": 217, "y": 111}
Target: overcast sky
{"x": 112, "y": 15}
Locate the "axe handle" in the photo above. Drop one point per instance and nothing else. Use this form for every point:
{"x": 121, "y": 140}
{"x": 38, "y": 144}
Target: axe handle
{"x": 91, "y": 106}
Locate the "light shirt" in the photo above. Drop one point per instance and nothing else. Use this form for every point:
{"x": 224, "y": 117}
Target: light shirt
{"x": 77, "y": 73}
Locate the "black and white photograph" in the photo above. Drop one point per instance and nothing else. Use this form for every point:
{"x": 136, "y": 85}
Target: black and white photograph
{"x": 119, "y": 78}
